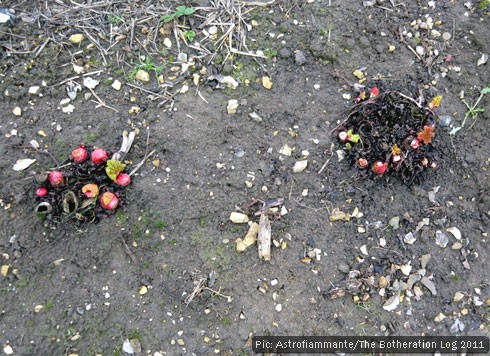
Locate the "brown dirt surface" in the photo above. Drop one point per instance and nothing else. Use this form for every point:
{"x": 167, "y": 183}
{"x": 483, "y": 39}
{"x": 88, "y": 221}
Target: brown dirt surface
{"x": 163, "y": 271}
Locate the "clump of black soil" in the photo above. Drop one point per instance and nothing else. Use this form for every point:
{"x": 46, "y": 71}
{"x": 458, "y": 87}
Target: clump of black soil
{"x": 390, "y": 134}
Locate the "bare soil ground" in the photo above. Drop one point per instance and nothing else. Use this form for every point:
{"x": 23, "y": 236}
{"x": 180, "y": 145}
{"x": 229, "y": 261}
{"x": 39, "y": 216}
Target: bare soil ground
{"x": 84, "y": 290}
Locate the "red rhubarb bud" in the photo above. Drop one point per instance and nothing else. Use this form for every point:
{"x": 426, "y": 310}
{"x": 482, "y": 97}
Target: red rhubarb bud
{"x": 90, "y": 190}
{"x": 380, "y": 167}
{"x": 374, "y": 92}
{"x": 123, "y": 179}
{"x": 41, "y": 192}
{"x": 109, "y": 201}
{"x": 99, "y": 156}
{"x": 415, "y": 144}
{"x": 56, "y": 179}
{"x": 343, "y": 136}
{"x": 79, "y": 154}
{"x": 362, "y": 162}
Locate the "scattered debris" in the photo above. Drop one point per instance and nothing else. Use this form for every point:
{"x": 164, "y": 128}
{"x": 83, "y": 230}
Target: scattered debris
{"x": 23, "y": 164}
{"x": 300, "y": 166}
{"x": 264, "y": 238}
{"x": 17, "y": 111}
{"x": 441, "y": 239}
{"x": 232, "y": 106}
{"x": 455, "y": 232}
{"x": 392, "y": 303}
{"x": 90, "y": 83}
{"x": 483, "y": 59}
{"x": 239, "y": 218}
{"x": 267, "y": 82}
{"x": 249, "y": 239}
{"x": 76, "y": 38}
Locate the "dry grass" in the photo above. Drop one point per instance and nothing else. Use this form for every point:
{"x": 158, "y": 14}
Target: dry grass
{"x": 123, "y": 32}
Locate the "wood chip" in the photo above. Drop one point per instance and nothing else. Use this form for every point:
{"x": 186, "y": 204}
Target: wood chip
{"x": 238, "y": 218}
{"x": 264, "y": 238}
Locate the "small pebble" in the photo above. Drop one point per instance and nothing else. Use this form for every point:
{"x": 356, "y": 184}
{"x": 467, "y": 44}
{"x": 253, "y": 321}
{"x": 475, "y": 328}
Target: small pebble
{"x": 299, "y": 57}
{"x": 17, "y": 111}
{"x": 7, "y": 349}
{"x": 117, "y": 85}
{"x": 446, "y": 36}
{"x": 446, "y": 120}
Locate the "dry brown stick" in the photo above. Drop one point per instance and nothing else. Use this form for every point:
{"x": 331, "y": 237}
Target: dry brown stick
{"x": 257, "y": 3}
{"x": 76, "y": 77}
{"x": 128, "y": 251}
{"x": 324, "y": 166}
{"x": 402, "y": 40}
{"x": 101, "y": 103}
{"x": 218, "y": 293}
{"x": 141, "y": 163}
{"x": 39, "y": 50}
{"x": 132, "y": 34}
{"x": 102, "y": 50}
{"x": 197, "y": 290}
{"x": 146, "y": 91}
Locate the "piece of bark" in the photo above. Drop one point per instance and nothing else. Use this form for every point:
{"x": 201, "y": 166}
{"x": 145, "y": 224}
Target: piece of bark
{"x": 264, "y": 238}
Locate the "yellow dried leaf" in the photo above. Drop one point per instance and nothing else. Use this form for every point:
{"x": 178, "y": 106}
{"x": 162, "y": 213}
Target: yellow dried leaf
{"x": 359, "y": 74}
{"x": 383, "y": 282}
{"x": 458, "y": 296}
{"x": 267, "y": 82}
{"x": 76, "y": 38}
{"x": 4, "y": 270}
{"x": 143, "y": 290}
{"x": 339, "y": 215}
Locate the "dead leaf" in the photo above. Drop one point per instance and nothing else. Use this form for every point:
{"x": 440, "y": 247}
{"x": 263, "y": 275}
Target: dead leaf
{"x": 429, "y": 285}
{"x": 249, "y": 239}
{"x": 267, "y": 82}
{"x": 22, "y": 164}
{"x": 339, "y": 215}
{"x": 392, "y": 303}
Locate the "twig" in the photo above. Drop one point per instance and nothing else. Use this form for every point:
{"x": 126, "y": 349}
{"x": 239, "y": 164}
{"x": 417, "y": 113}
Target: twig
{"x": 146, "y": 91}
{"x": 402, "y": 40}
{"x": 228, "y": 297}
{"x": 39, "y": 50}
{"x": 308, "y": 207}
{"x": 257, "y": 3}
{"x": 102, "y": 50}
{"x": 197, "y": 290}
{"x": 236, "y": 51}
{"x": 202, "y": 97}
{"x": 128, "y": 251}
{"x": 141, "y": 163}
{"x": 324, "y": 166}
{"x": 101, "y": 103}
{"x": 76, "y": 77}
